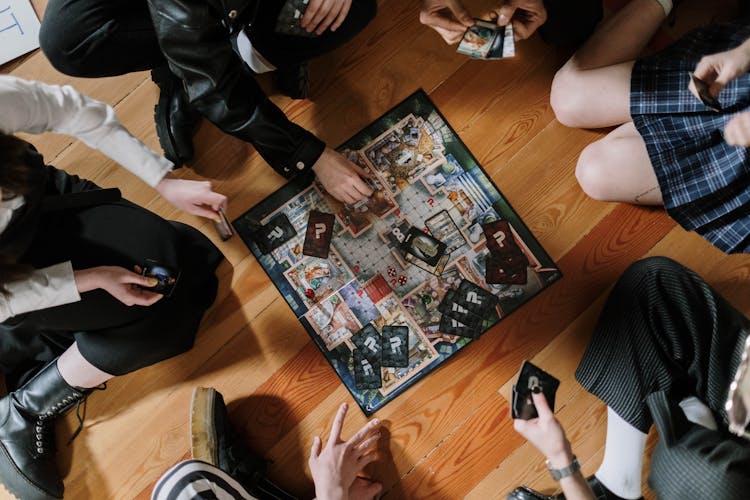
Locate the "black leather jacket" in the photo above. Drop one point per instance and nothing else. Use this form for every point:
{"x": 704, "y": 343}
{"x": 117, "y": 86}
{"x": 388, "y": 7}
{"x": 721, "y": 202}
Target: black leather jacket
{"x": 195, "y": 37}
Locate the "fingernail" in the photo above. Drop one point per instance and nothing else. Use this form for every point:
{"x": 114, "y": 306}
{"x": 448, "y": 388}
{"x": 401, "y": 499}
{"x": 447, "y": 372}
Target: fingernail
{"x": 375, "y": 421}
{"x": 153, "y": 281}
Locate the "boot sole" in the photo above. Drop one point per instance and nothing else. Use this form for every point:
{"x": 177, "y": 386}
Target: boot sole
{"x": 166, "y": 141}
{"x": 203, "y": 442}
{"x": 18, "y": 485}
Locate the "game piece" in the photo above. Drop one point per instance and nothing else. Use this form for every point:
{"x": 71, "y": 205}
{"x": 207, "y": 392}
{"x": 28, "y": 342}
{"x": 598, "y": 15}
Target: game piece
{"x": 532, "y": 378}
{"x": 223, "y": 227}
{"x": 395, "y": 351}
{"x": 318, "y": 235}
{"x": 290, "y": 17}
{"x": 368, "y": 340}
{"x": 506, "y": 270}
{"x": 426, "y": 178}
{"x": 705, "y": 94}
{"x": 423, "y": 246}
{"x": 476, "y": 299}
{"x": 166, "y": 277}
{"x": 366, "y": 371}
{"x": 274, "y": 234}
{"x": 500, "y": 237}
{"x": 486, "y": 40}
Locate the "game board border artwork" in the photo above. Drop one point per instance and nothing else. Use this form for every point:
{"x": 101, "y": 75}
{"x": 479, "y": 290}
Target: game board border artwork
{"x": 377, "y": 289}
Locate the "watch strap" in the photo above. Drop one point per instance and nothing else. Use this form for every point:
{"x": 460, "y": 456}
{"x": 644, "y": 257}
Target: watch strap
{"x": 571, "y": 469}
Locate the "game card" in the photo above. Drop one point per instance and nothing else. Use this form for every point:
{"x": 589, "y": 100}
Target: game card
{"x": 395, "y": 351}
{"x": 437, "y": 269}
{"x": 506, "y": 270}
{"x": 290, "y": 17}
{"x": 705, "y": 94}
{"x": 452, "y": 326}
{"x": 532, "y": 378}
{"x": 366, "y": 371}
{"x": 368, "y": 341}
{"x": 476, "y": 299}
{"x": 318, "y": 235}
{"x": 499, "y": 237}
{"x": 223, "y": 227}
{"x": 274, "y": 234}
{"x": 166, "y": 277}
{"x": 443, "y": 228}
{"x": 423, "y": 246}
{"x": 487, "y": 40}
{"x": 457, "y": 311}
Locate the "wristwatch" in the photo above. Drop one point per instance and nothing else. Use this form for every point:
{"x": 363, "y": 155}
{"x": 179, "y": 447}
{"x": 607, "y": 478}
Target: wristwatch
{"x": 571, "y": 469}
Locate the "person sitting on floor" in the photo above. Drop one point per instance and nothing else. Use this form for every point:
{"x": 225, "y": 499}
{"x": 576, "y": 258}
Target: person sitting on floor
{"x": 665, "y": 351}
{"x": 222, "y": 467}
{"x": 73, "y": 313}
{"x": 668, "y": 147}
{"x": 204, "y": 55}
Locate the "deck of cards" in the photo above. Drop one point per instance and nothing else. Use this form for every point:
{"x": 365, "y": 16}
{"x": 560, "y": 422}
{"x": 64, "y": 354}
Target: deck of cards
{"x": 373, "y": 351}
{"x": 274, "y": 234}
{"x": 486, "y": 40}
{"x": 506, "y": 263}
{"x": 465, "y": 310}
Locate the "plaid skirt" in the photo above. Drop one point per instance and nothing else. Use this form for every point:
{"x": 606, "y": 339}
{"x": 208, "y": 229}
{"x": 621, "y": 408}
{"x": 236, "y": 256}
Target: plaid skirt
{"x": 704, "y": 181}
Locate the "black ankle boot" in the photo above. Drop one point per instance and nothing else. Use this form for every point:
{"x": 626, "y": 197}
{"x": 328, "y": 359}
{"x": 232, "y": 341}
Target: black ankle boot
{"x": 294, "y": 81}
{"x": 27, "y": 435}
{"x": 600, "y": 491}
{"x": 174, "y": 117}
{"x": 213, "y": 440}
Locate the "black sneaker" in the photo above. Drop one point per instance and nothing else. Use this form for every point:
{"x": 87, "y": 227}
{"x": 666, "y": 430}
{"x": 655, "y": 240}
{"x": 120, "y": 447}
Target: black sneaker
{"x": 174, "y": 117}
{"x": 213, "y": 440}
{"x": 294, "y": 81}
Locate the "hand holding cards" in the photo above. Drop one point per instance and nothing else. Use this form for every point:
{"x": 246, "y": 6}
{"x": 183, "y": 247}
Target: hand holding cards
{"x": 532, "y": 379}
{"x": 486, "y": 40}
{"x": 704, "y": 93}
{"x": 166, "y": 277}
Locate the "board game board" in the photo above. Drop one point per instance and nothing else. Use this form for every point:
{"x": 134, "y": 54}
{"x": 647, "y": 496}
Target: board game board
{"x": 424, "y": 177}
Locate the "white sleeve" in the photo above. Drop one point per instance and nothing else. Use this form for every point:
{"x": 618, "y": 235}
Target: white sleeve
{"x": 43, "y": 288}
{"x": 35, "y": 107}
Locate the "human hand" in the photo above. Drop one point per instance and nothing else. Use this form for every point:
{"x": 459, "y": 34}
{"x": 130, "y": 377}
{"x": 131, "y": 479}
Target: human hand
{"x": 335, "y": 467}
{"x": 322, "y": 14}
{"x": 341, "y": 178}
{"x": 193, "y": 197}
{"x": 120, "y": 283}
{"x": 546, "y": 433}
{"x": 526, "y": 16}
{"x": 717, "y": 70}
{"x": 448, "y": 17}
{"x": 737, "y": 131}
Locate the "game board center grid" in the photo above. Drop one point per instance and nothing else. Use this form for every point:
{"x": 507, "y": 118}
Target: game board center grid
{"x": 423, "y": 177}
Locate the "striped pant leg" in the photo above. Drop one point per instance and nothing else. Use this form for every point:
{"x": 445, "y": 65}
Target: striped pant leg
{"x": 662, "y": 329}
{"x": 194, "y": 479}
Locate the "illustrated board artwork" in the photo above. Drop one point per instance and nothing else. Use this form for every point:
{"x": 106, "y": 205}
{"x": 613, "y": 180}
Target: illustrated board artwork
{"x": 395, "y": 285}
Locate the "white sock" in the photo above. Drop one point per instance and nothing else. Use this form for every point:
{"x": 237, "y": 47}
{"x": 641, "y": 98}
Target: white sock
{"x": 622, "y": 465}
{"x": 666, "y": 5}
{"x": 698, "y": 413}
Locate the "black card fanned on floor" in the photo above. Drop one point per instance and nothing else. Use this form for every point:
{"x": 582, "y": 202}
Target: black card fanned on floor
{"x": 274, "y": 234}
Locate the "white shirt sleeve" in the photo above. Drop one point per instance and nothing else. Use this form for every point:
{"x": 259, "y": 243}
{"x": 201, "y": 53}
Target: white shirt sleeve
{"x": 35, "y": 107}
{"x": 43, "y": 288}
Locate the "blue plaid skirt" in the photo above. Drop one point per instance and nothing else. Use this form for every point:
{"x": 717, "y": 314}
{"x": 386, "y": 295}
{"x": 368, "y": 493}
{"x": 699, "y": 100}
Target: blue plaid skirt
{"x": 705, "y": 182}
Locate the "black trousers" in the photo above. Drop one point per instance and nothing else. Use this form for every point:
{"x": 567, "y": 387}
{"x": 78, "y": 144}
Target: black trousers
{"x": 663, "y": 335}
{"x": 95, "y": 38}
{"x": 110, "y": 335}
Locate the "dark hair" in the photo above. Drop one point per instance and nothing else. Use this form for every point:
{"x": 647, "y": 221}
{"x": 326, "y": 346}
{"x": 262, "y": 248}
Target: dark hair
{"x": 15, "y": 180}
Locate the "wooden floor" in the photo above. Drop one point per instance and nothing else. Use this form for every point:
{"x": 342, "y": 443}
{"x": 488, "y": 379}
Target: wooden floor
{"x": 450, "y": 435}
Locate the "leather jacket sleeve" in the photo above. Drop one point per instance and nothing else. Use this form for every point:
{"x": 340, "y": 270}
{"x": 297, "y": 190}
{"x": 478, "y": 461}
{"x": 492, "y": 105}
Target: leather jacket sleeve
{"x": 198, "y": 47}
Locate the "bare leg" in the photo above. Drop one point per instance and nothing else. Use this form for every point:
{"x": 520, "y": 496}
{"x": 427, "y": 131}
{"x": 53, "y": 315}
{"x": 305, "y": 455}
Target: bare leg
{"x": 618, "y": 168}
{"x": 592, "y": 89}
{"x": 78, "y": 372}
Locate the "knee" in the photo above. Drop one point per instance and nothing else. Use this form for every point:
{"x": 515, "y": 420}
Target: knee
{"x": 65, "y": 48}
{"x": 566, "y": 99}
{"x": 591, "y": 172}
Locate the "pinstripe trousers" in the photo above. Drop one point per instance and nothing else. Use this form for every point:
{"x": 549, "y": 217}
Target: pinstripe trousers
{"x": 664, "y": 335}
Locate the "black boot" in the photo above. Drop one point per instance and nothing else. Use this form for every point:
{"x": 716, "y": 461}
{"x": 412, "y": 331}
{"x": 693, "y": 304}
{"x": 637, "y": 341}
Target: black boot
{"x": 174, "y": 117}
{"x": 294, "y": 81}
{"x": 27, "y": 435}
{"x": 213, "y": 440}
{"x": 600, "y": 491}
